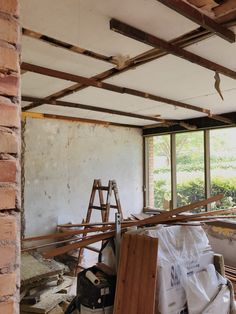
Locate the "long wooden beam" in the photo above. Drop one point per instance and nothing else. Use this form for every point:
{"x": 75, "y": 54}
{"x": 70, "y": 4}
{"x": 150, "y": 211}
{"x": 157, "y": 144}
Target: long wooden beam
{"x": 64, "y": 45}
{"x": 154, "y": 41}
{"x": 106, "y": 86}
{"x": 165, "y": 217}
{"x": 200, "y": 18}
{"x": 39, "y": 115}
{"x": 42, "y": 101}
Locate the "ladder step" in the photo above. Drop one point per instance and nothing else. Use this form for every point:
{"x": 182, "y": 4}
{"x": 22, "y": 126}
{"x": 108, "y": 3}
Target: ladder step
{"x": 98, "y": 207}
{"x": 104, "y": 207}
{"x": 91, "y": 248}
{"x": 101, "y": 188}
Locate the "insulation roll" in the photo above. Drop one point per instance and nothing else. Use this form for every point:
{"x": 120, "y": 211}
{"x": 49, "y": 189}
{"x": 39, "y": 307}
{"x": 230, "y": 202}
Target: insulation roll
{"x": 92, "y": 278}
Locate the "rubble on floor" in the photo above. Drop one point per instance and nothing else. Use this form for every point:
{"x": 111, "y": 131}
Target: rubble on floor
{"x": 45, "y": 287}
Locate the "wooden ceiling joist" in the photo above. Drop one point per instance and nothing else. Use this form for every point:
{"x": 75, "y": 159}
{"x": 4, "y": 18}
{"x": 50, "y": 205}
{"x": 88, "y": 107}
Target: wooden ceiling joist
{"x": 106, "y": 86}
{"x": 42, "y": 101}
{"x": 64, "y": 45}
{"x": 182, "y": 41}
{"x": 37, "y": 115}
{"x": 200, "y": 18}
{"x": 154, "y": 41}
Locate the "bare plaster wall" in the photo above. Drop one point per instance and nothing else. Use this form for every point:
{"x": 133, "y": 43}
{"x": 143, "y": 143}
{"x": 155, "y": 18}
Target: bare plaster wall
{"x": 62, "y": 159}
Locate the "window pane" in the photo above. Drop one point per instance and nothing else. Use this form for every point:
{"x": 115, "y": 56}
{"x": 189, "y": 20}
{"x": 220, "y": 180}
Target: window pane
{"x": 190, "y": 167}
{"x": 223, "y": 166}
{"x": 159, "y": 172}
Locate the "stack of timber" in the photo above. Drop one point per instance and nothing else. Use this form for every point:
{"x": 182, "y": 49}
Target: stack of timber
{"x": 96, "y": 232}
{"x": 44, "y": 286}
{"x": 230, "y": 273}
{"x": 137, "y": 274}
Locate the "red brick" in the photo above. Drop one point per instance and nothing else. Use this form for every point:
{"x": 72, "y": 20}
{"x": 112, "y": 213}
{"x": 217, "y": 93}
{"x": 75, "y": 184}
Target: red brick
{"x": 7, "y": 284}
{"x": 9, "y": 30}
{"x": 9, "y": 85}
{"x": 7, "y": 198}
{"x": 9, "y": 59}
{"x": 9, "y": 115}
{"x": 7, "y": 228}
{"x": 7, "y": 307}
{"x": 8, "y": 142}
{"x": 9, "y": 6}
{"x": 7, "y": 170}
{"x": 8, "y": 256}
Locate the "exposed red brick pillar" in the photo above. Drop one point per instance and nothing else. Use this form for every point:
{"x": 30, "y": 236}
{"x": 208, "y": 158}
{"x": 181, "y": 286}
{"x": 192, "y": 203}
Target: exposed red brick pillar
{"x": 9, "y": 156}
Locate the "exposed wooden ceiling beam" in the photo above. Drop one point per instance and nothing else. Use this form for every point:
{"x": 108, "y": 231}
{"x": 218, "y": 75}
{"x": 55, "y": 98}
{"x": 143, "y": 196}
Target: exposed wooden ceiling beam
{"x": 64, "y": 45}
{"x": 225, "y": 8}
{"x": 200, "y": 18}
{"x": 154, "y": 41}
{"x": 37, "y": 115}
{"x": 107, "y": 86}
{"x": 183, "y": 41}
{"x": 93, "y": 108}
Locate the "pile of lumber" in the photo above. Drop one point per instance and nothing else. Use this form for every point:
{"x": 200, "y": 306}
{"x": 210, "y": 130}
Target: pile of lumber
{"x": 96, "y": 232}
{"x": 137, "y": 274}
{"x": 230, "y": 273}
{"x": 44, "y": 287}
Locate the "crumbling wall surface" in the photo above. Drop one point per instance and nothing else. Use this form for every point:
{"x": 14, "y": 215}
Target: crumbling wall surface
{"x": 9, "y": 156}
{"x": 61, "y": 160}
{"x": 223, "y": 241}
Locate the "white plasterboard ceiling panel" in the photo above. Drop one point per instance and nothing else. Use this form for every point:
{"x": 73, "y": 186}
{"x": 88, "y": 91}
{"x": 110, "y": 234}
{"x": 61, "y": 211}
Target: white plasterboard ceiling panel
{"x": 217, "y": 50}
{"x": 172, "y": 77}
{"x": 43, "y": 54}
{"x": 216, "y": 104}
{"x": 36, "y": 85}
{"x": 171, "y": 112}
{"x": 78, "y": 27}
{"x": 86, "y": 23}
{"x": 107, "y": 99}
{"x": 65, "y": 111}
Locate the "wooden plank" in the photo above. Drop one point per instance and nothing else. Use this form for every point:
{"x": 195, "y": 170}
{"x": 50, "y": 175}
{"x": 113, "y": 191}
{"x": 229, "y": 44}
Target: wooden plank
{"x": 66, "y": 234}
{"x": 138, "y": 265}
{"x": 79, "y": 244}
{"x": 155, "y": 41}
{"x": 130, "y": 275}
{"x": 122, "y": 273}
{"x": 64, "y": 45}
{"x": 93, "y": 108}
{"x": 133, "y": 287}
{"x": 111, "y": 87}
{"x": 162, "y": 218}
{"x": 181, "y": 209}
{"x": 144, "y": 276}
{"x": 36, "y": 115}
{"x": 150, "y": 288}
{"x": 200, "y": 18}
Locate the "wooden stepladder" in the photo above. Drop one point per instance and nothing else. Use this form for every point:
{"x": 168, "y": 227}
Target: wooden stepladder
{"x": 104, "y": 207}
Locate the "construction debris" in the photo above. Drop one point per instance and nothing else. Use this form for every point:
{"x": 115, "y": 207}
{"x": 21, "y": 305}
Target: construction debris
{"x": 43, "y": 285}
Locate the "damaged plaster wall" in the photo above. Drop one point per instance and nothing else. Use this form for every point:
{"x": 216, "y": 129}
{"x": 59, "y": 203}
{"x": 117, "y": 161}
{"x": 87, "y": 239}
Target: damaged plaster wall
{"x": 62, "y": 159}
